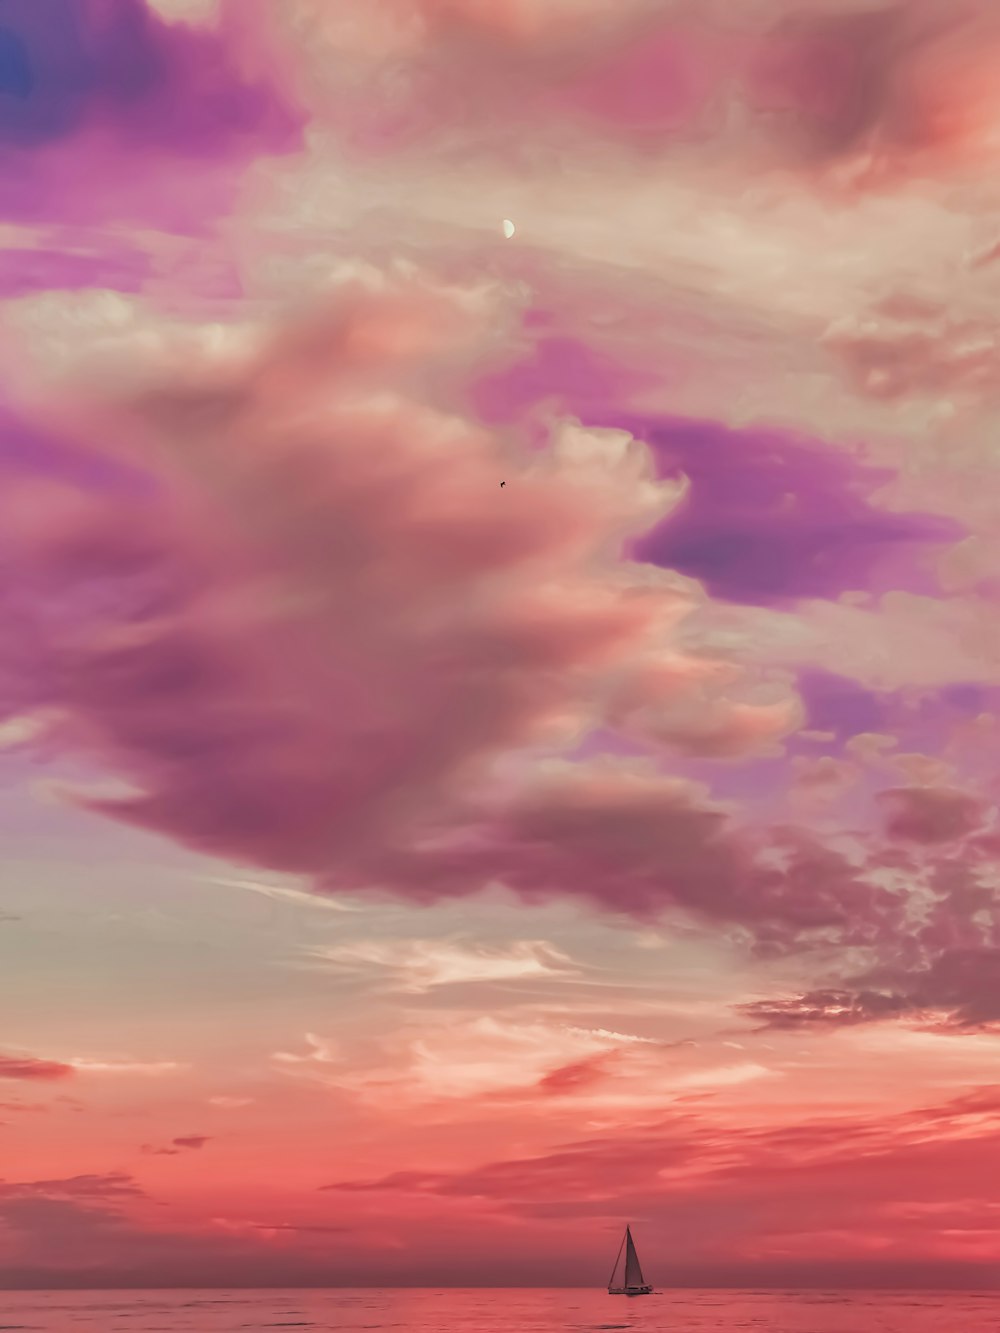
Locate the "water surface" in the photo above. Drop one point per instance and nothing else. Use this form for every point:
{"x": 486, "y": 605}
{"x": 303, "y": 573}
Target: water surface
{"x": 500, "y": 1311}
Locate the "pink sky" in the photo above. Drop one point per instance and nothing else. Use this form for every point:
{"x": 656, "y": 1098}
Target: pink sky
{"x": 410, "y": 879}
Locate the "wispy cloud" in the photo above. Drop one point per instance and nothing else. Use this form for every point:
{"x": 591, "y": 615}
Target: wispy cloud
{"x": 185, "y": 1143}
{"x": 418, "y": 966}
{"x": 321, "y": 1051}
{"x": 152, "y": 1068}
{"x": 282, "y": 893}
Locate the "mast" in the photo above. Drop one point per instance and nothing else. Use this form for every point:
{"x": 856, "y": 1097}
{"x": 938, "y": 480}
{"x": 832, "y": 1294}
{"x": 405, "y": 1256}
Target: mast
{"x": 611, "y": 1279}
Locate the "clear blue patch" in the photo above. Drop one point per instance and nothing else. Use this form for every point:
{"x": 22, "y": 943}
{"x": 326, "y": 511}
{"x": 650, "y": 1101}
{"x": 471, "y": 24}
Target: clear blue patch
{"x": 16, "y": 76}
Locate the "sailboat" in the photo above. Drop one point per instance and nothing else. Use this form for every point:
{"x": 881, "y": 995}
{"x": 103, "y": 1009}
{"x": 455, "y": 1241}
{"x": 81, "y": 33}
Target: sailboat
{"x": 635, "y": 1284}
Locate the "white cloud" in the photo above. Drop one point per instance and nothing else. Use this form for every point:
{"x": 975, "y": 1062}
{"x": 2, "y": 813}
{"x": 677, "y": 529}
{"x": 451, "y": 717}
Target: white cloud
{"x": 417, "y": 966}
{"x": 321, "y": 1051}
{"x": 723, "y": 1076}
{"x": 153, "y": 1068}
{"x": 282, "y": 893}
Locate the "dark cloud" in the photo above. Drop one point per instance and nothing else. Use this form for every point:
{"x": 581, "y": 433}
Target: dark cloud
{"x": 192, "y": 1141}
{"x": 178, "y": 1145}
{"x": 958, "y": 992}
{"x": 825, "y": 1008}
{"x": 111, "y": 1185}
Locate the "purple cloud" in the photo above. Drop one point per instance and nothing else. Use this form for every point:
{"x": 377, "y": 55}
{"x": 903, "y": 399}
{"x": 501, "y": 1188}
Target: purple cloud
{"x": 23, "y": 271}
{"x": 560, "y": 371}
{"x": 770, "y": 518}
{"x": 88, "y": 84}
{"x": 836, "y": 703}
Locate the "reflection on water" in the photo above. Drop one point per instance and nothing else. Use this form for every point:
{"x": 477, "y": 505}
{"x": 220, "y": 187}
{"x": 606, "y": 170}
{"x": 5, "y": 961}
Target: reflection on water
{"x": 500, "y": 1311}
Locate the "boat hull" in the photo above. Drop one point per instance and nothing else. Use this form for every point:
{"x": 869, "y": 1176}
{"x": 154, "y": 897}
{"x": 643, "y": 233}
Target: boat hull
{"x": 630, "y": 1291}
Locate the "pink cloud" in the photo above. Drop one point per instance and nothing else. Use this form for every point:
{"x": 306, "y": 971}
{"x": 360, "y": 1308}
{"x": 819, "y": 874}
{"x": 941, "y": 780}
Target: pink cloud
{"x": 112, "y": 1184}
{"x": 25, "y": 270}
{"x": 931, "y": 814}
{"x": 781, "y": 1197}
{"x": 468, "y": 77}
{"x": 300, "y": 615}
{"x": 178, "y": 1145}
{"x": 901, "y": 349}
{"x": 192, "y": 1141}
{"x": 30, "y": 1069}
{"x": 900, "y": 91}
{"x": 579, "y": 1074}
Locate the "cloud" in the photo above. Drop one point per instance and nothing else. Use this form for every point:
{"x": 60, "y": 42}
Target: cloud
{"x": 279, "y": 893}
{"x": 474, "y": 1057}
{"x": 113, "y": 96}
{"x": 677, "y": 1152}
{"x": 277, "y": 1227}
{"x": 825, "y": 1008}
{"x": 472, "y": 77}
{"x": 153, "y": 1068}
{"x": 957, "y": 991}
{"x": 488, "y": 1061}
{"x": 29, "y": 1068}
{"x": 321, "y": 1051}
{"x": 767, "y": 517}
{"x": 882, "y": 95}
{"x": 901, "y": 350}
{"x": 91, "y": 1231}
{"x": 179, "y": 1145}
{"x": 577, "y": 1075}
{"x": 931, "y": 814}
{"x": 308, "y": 632}
{"x": 715, "y": 1196}
{"x": 418, "y": 966}
{"x": 26, "y": 269}
{"x": 111, "y": 1185}
{"x": 821, "y": 76}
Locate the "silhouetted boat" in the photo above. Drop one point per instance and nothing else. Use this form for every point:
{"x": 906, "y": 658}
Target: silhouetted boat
{"x": 634, "y": 1283}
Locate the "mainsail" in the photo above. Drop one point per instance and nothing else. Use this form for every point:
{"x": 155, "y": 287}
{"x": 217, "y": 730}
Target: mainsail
{"x": 633, "y": 1283}
{"x": 633, "y": 1271}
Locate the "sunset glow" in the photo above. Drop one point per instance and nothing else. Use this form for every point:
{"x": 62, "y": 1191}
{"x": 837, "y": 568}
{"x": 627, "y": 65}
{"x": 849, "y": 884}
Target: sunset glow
{"x": 500, "y": 681}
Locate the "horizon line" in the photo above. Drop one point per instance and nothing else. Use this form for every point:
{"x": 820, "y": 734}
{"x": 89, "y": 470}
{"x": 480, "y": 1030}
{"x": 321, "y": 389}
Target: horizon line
{"x": 522, "y": 1286}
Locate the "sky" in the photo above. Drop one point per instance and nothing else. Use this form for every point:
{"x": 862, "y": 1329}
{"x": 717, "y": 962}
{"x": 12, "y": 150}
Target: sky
{"x": 500, "y": 672}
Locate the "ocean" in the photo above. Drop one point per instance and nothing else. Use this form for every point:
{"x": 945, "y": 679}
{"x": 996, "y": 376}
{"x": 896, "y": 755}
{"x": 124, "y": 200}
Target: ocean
{"x": 499, "y": 1311}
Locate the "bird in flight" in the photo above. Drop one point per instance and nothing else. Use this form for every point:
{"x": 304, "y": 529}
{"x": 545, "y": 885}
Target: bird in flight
{"x": 503, "y": 483}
